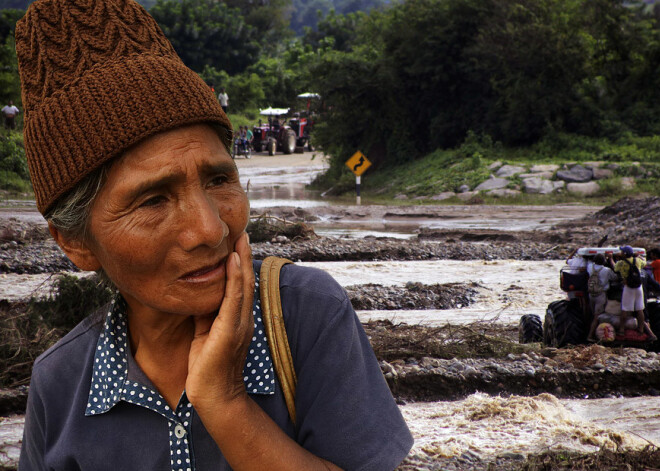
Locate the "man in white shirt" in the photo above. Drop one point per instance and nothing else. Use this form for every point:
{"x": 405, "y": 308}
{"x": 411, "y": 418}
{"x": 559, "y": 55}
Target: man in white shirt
{"x": 10, "y": 112}
{"x": 224, "y": 99}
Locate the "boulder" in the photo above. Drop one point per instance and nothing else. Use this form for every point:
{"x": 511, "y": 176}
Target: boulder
{"x": 594, "y": 164}
{"x": 401, "y": 197}
{"x": 504, "y": 192}
{"x": 463, "y": 189}
{"x": 544, "y": 168}
{"x": 509, "y": 170}
{"x": 584, "y": 189}
{"x": 538, "y": 185}
{"x": 601, "y": 173}
{"x": 467, "y": 195}
{"x": 558, "y": 185}
{"x": 443, "y": 196}
{"x": 492, "y": 184}
{"x": 613, "y": 166}
{"x": 495, "y": 165}
{"x": 546, "y": 175}
{"x": 577, "y": 174}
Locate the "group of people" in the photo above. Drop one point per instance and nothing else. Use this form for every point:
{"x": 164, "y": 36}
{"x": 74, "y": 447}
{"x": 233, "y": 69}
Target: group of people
{"x": 604, "y": 270}
{"x": 244, "y": 137}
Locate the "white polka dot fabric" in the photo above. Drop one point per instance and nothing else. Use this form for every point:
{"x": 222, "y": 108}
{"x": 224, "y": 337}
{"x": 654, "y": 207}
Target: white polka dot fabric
{"x": 110, "y": 383}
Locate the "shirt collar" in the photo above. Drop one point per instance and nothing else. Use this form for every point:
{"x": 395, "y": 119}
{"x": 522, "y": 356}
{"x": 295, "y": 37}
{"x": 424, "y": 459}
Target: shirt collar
{"x": 114, "y": 366}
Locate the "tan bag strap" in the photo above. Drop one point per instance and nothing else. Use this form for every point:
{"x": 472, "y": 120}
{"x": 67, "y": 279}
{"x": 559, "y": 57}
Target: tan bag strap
{"x": 271, "y": 313}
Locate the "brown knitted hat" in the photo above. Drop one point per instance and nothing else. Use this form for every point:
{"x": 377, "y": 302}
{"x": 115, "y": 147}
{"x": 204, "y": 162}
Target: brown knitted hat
{"x": 98, "y": 76}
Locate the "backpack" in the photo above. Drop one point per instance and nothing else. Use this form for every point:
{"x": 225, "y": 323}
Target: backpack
{"x": 594, "y": 286}
{"x": 634, "y": 278}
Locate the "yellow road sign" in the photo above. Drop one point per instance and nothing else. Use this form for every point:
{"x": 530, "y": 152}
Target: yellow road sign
{"x": 358, "y": 163}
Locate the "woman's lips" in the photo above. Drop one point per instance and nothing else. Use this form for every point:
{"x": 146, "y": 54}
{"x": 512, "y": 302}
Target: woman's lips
{"x": 206, "y": 273}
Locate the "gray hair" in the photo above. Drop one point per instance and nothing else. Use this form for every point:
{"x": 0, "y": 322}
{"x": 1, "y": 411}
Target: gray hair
{"x": 70, "y": 213}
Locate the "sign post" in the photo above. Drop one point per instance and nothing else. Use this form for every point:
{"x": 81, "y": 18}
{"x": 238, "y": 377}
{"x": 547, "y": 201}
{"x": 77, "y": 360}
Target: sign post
{"x": 358, "y": 163}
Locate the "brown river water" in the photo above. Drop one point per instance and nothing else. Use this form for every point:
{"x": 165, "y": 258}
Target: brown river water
{"x": 482, "y": 424}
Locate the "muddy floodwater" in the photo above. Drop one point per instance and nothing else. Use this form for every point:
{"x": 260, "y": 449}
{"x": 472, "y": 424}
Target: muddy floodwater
{"x": 479, "y": 424}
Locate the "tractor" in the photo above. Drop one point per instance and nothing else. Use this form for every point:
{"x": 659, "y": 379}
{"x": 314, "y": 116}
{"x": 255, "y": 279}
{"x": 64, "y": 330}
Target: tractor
{"x": 274, "y": 136}
{"x": 567, "y": 321}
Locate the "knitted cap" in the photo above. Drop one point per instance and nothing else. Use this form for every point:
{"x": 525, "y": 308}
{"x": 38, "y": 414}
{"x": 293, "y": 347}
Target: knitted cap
{"x": 98, "y": 76}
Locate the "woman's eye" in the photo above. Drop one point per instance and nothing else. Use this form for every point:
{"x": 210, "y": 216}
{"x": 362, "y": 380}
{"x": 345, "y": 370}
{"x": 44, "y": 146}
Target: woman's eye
{"x": 218, "y": 180}
{"x": 153, "y": 201}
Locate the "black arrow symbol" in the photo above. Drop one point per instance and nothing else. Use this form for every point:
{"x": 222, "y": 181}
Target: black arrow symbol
{"x": 359, "y": 164}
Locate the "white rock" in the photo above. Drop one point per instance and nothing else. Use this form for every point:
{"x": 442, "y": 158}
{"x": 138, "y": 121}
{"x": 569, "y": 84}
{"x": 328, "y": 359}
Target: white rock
{"x": 538, "y": 185}
{"x": 544, "y": 168}
{"x": 601, "y": 173}
{"x": 492, "y": 184}
{"x": 467, "y": 195}
{"x": 495, "y": 165}
{"x": 546, "y": 175}
{"x": 401, "y": 197}
{"x": 504, "y": 192}
{"x": 584, "y": 189}
{"x": 509, "y": 170}
{"x": 594, "y": 164}
{"x": 443, "y": 196}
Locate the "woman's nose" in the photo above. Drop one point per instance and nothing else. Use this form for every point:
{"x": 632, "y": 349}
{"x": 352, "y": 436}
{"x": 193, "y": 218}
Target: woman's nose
{"x": 201, "y": 223}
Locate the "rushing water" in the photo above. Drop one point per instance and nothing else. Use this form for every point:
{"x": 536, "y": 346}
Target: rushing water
{"x": 482, "y": 424}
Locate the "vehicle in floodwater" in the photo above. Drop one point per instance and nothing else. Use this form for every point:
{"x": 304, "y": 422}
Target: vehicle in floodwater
{"x": 567, "y": 321}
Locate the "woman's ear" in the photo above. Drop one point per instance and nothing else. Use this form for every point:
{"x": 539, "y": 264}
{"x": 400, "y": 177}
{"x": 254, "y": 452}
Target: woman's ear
{"x": 77, "y": 250}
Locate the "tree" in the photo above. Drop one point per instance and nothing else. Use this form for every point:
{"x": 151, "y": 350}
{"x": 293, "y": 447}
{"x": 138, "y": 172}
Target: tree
{"x": 207, "y": 33}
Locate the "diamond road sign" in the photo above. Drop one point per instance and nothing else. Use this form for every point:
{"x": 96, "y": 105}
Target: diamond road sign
{"x": 358, "y": 163}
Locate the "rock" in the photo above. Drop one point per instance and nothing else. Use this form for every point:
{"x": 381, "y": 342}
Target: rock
{"x": 495, "y": 165}
{"x": 544, "y": 168}
{"x": 558, "y": 185}
{"x": 504, "y": 192}
{"x": 401, "y": 197}
{"x": 584, "y": 189}
{"x": 613, "y": 166}
{"x": 466, "y": 195}
{"x": 492, "y": 184}
{"x": 594, "y": 164}
{"x": 443, "y": 196}
{"x": 538, "y": 186}
{"x": 627, "y": 183}
{"x": 509, "y": 170}
{"x": 546, "y": 175}
{"x": 577, "y": 174}
{"x": 463, "y": 189}
{"x": 602, "y": 173}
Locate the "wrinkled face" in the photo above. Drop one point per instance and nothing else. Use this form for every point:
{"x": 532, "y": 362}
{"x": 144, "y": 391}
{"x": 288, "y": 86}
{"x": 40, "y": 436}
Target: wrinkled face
{"x": 166, "y": 219}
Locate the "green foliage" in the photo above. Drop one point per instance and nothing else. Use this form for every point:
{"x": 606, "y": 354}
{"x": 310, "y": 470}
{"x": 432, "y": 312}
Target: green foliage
{"x": 14, "y": 175}
{"x": 208, "y": 33}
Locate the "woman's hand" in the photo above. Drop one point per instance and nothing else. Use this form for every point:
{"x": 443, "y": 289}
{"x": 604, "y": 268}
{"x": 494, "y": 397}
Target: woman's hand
{"x": 220, "y": 343}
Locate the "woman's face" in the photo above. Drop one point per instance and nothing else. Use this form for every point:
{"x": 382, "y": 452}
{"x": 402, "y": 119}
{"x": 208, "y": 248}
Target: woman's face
{"x": 166, "y": 219}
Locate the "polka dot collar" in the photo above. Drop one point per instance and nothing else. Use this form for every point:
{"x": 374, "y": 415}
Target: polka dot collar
{"x": 110, "y": 373}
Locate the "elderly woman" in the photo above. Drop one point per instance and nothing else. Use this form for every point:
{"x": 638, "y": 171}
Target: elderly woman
{"x": 128, "y": 154}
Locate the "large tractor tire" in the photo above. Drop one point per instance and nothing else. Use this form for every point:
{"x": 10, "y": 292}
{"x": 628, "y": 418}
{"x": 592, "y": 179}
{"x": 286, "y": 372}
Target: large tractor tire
{"x": 289, "y": 142}
{"x": 530, "y": 329}
{"x": 564, "y": 324}
{"x": 653, "y": 310}
{"x": 272, "y": 146}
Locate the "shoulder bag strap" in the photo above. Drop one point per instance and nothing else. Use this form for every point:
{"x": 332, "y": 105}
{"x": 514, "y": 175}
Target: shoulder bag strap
{"x": 271, "y": 310}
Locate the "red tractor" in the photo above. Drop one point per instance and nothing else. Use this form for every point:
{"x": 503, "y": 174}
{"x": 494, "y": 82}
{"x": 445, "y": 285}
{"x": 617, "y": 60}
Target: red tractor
{"x": 274, "y": 136}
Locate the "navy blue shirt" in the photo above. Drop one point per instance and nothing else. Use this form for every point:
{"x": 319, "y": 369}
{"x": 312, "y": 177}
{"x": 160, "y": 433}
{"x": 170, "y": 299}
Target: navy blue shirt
{"x": 90, "y": 406}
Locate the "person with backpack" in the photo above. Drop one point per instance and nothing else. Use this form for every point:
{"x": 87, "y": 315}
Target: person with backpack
{"x": 632, "y": 300}
{"x": 600, "y": 277}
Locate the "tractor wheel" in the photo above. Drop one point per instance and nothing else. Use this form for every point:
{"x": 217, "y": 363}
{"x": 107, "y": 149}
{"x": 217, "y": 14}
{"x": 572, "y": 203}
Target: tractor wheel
{"x": 289, "y": 142}
{"x": 299, "y": 150}
{"x": 272, "y": 146}
{"x": 653, "y": 310}
{"x": 530, "y": 329}
{"x": 564, "y": 324}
